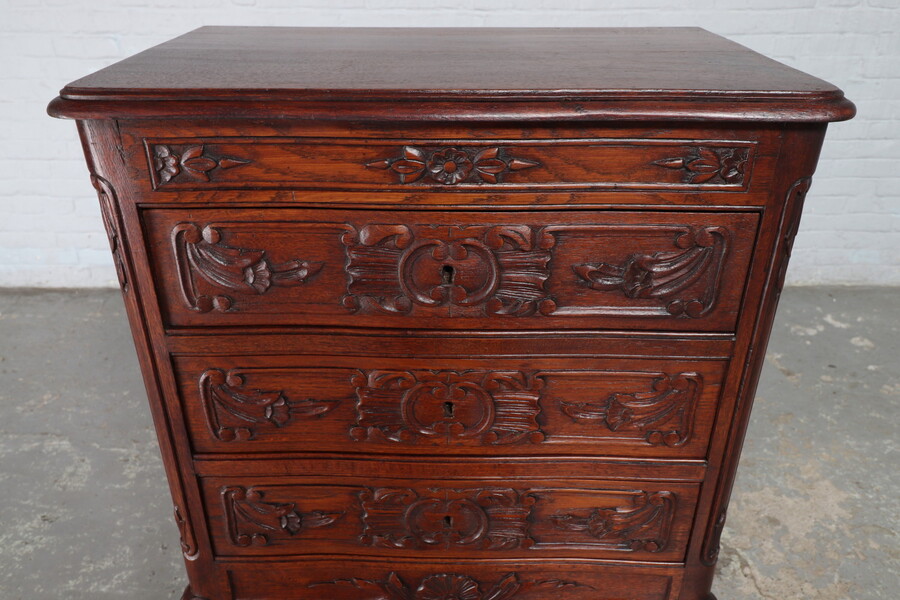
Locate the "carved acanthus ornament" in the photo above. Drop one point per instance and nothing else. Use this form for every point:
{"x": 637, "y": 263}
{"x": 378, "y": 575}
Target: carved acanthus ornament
{"x": 234, "y": 413}
{"x": 253, "y": 521}
{"x": 687, "y": 279}
{"x": 665, "y": 415}
{"x": 201, "y": 254}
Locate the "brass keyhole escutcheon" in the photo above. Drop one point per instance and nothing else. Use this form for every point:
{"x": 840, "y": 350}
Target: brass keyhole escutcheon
{"x": 448, "y": 410}
{"x": 447, "y": 274}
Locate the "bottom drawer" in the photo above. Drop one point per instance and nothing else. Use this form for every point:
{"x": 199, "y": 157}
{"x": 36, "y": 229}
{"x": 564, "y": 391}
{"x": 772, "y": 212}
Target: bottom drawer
{"x": 427, "y": 513}
{"x": 469, "y": 580}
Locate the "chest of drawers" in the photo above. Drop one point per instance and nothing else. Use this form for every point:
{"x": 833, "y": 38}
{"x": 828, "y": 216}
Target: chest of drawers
{"x": 450, "y": 314}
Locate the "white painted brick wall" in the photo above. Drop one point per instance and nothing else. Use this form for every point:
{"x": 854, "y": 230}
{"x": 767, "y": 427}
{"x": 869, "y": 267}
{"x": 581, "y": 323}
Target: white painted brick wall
{"x": 50, "y": 228}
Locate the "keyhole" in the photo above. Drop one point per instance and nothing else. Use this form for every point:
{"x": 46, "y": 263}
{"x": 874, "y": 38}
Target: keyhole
{"x": 447, "y": 274}
{"x": 448, "y": 409}
{"x": 448, "y": 521}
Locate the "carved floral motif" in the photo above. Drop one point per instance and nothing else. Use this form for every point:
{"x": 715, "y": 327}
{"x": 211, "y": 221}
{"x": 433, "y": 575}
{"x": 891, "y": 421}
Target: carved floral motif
{"x": 200, "y": 253}
{"x": 643, "y": 526}
{"x": 450, "y": 166}
{"x": 233, "y": 414}
{"x": 486, "y": 518}
{"x": 453, "y": 407}
{"x": 665, "y": 415}
{"x": 501, "y": 268}
{"x": 193, "y": 161}
{"x": 687, "y": 278}
{"x": 710, "y": 165}
{"x": 450, "y": 586}
{"x": 252, "y": 521}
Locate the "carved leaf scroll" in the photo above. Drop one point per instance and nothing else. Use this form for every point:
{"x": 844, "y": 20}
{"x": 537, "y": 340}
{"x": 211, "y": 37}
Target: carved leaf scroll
{"x": 450, "y": 407}
{"x": 450, "y": 166}
{"x": 687, "y": 279}
{"x": 235, "y": 414}
{"x": 645, "y": 525}
{"x": 169, "y": 162}
{"x": 665, "y": 415}
{"x": 109, "y": 210}
{"x": 710, "y": 165}
{"x": 452, "y": 586}
{"x": 502, "y": 269}
{"x": 186, "y": 535}
{"x": 253, "y": 521}
{"x": 201, "y": 254}
{"x": 486, "y": 519}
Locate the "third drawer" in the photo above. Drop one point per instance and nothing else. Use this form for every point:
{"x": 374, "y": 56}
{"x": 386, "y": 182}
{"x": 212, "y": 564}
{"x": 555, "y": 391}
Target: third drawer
{"x": 651, "y": 407}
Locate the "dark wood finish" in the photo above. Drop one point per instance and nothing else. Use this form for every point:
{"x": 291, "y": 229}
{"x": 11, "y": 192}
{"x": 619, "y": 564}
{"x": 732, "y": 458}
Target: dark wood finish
{"x": 450, "y": 518}
{"x": 448, "y": 313}
{"x": 471, "y": 270}
{"x": 502, "y": 406}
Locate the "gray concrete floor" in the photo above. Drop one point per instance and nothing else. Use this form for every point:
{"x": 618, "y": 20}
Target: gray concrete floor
{"x": 84, "y": 513}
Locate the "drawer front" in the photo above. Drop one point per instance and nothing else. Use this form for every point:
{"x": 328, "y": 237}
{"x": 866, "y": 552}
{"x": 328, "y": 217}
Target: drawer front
{"x": 661, "y": 408}
{"x": 302, "y": 579}
{"x": 616, "y": 269}
{"x": 414, "y": 517}
{"x": 273, "y": 163}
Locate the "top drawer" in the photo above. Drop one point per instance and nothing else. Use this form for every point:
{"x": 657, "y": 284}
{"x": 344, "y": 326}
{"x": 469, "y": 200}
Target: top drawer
{"x": 452, "y": 164}
{"x": 440, "y": 270}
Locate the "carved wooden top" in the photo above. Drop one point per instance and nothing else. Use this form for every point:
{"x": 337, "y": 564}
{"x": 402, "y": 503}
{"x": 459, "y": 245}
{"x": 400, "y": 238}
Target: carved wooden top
{"x": 626, "y": 72}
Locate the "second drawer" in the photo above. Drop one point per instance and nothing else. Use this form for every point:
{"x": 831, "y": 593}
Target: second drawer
{"x": 655, "y": 407}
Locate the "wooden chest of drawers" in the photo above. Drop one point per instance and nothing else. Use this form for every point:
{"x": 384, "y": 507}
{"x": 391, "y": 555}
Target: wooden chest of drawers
{"x": 450, "y": 314}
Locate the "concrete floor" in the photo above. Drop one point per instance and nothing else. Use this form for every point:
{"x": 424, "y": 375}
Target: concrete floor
{"x": 84, "y": 513}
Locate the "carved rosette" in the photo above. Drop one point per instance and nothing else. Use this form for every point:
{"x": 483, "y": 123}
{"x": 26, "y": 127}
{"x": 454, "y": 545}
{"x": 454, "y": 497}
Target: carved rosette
{"x": 452, "y": 586}
{"x": 501, "y": 269}
{"x": 645, "y": 525}
{"x": 485, "y": 519}
{"x": 450, "y": 166}
{"x": 109, "y": 210}
{"x": 710, "y": 165}
{"x": 192, "y": 163}
{"x": 201, "y": 255}
{"x": 253, "y": 521}
{"x": 686, "y": 279}
{"x": 665, "y": 415}
{"x": 234, "y": 414}
{"x": 451, "y": 407}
